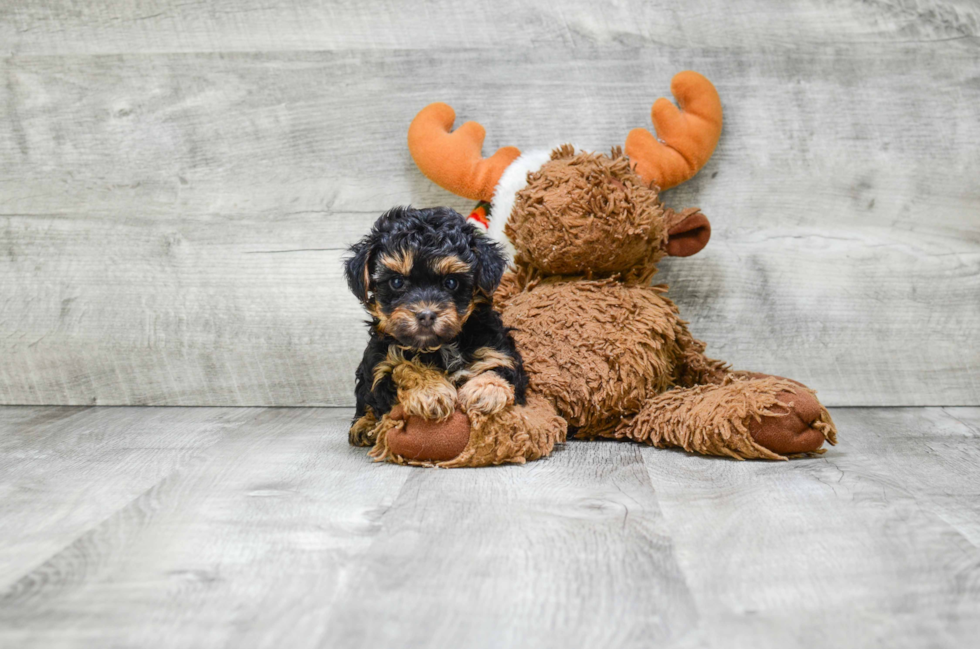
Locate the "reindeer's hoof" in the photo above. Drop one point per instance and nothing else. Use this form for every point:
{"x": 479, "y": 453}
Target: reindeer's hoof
{"x": 794, "y": 431}
{"x": 427, "y": 440}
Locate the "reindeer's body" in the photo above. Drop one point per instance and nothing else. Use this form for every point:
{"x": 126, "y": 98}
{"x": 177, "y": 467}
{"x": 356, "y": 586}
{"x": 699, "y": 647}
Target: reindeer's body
{"x": 603, "y": 349}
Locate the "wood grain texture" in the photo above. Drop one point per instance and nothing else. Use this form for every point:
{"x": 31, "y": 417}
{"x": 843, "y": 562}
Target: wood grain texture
{"x": 68, "y": 471}
{"x": 122, "y": 26}
{"x": 168, "y": 527}
{"x": 172, "y": 220}
{"x": 572, "y": 551}
{"x": 876, "y": 542}
{"x": 226, "y": 548}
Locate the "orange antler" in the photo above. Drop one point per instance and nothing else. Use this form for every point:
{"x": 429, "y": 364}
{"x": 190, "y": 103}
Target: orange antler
{"x": 687, "y": 136}
{"x": 454, "y": 161}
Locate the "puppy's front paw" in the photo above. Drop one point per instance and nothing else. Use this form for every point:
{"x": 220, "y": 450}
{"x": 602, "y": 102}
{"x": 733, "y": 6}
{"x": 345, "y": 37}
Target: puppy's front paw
{"x": 432, "y": 401}
{"x": 424, "y": 391}
{"x": 486, "y": 394}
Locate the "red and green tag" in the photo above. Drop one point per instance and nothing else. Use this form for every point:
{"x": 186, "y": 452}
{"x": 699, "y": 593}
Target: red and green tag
{"x": 481, "y": 214}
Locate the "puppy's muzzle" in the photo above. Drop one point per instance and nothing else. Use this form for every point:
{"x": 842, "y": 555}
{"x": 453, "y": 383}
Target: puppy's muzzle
{"x": 426, "y": 319}
{"x": 423, "y": 324}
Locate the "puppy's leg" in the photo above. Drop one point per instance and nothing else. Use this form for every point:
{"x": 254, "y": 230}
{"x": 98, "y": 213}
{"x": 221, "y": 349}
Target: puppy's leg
{"x": 372, "y": 397}
{"x": 424, "y": 391}
{"x": 485, "y": 394}
{"x": 364, "y": 429}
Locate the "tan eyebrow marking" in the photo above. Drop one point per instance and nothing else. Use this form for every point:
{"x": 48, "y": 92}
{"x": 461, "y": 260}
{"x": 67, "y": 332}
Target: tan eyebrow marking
{"x": 400, "y": 262}
{"x": 449, "y": 265}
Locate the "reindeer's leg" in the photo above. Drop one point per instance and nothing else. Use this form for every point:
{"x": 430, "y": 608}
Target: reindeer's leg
{"x": 720, "y": 412}
{"x": 741, "y": 416}
{"x": 514, "y": 434}
{"x": 693, "y": 367}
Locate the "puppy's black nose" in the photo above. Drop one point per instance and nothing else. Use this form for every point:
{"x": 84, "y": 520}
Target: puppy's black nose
{"x": 426, "y": 318}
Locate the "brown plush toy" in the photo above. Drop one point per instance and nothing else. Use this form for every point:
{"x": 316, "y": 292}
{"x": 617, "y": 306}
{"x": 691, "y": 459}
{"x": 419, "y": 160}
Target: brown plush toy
{"x": 607, "y": 353}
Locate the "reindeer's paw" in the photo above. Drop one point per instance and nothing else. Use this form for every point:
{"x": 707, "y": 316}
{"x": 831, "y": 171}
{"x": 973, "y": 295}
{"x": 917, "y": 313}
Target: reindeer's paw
{"x": 424, "y": 440}
{"x": 486, "y": 394}
{"x": 799, "y": 424}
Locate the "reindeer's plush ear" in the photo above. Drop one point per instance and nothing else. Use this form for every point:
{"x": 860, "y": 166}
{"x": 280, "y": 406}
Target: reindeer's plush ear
{"x": 357, "y": 267}
{"x": 687, "y": 232}
{"x": 490, "y": 262}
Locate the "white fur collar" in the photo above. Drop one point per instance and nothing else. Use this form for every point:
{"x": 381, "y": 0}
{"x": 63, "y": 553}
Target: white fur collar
{"x": 513, "y": 180}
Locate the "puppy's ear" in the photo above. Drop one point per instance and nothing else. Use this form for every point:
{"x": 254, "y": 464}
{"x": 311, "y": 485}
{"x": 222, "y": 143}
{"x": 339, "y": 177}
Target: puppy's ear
{"x": 490, "y": 262}
{"x": 357, "y": 267}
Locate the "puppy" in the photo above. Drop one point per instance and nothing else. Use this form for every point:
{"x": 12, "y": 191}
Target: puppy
{"x": 427, "y": 277}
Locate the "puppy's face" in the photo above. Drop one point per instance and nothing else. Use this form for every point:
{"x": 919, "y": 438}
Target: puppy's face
{"x": 421, "y": 272}
{"x": 422, "y": 298}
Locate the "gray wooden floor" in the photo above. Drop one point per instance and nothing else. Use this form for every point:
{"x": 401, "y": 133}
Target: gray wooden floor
{"x": 190, "y": 527}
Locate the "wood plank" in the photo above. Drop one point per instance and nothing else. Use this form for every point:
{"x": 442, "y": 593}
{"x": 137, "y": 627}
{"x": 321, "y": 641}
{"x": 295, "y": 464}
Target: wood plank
{"x": 234, "y": 548}
{"x": 261, "y": 527}
{"x": 570, "y": 551}
{"x": 181, "y": 313}
{"x": 874, "y": 543}
{"x": 30, "y": 27}
{"x": 66, "y": 470}
{"x": 284, "y": 536}
{"x": 136, "y": 191}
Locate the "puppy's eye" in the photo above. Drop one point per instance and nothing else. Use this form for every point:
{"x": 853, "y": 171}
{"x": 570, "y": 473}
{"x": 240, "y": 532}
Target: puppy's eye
{"x": 451, "y": 283}
{"x": 396, "y": 282}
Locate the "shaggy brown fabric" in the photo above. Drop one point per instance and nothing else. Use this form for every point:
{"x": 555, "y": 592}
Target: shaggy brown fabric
{"x": 604, "y": 346}
{"x": 586, "y": 213}
{"x": 720, "y": 419}
{"x": 604, "y": 350}
{"x": 600, "y": 349}
{"x": 514, "y": 435}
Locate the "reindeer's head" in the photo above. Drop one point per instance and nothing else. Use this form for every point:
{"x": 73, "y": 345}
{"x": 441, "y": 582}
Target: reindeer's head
{"x": 566, "y": 211}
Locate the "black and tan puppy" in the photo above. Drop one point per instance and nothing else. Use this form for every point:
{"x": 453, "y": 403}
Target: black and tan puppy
{"x": 427, "y": 278}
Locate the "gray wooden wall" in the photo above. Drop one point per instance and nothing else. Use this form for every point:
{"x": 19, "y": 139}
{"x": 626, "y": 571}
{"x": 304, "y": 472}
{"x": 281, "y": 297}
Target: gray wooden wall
{"x": 178, "y": 181}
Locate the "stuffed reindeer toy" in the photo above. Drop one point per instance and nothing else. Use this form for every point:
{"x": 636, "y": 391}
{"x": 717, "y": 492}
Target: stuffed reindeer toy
{"x": 606, "y": 353}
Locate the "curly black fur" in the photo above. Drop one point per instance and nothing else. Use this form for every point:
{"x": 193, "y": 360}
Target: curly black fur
{"x": 426, "y": 235}
{"x": 432, "y": 231}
